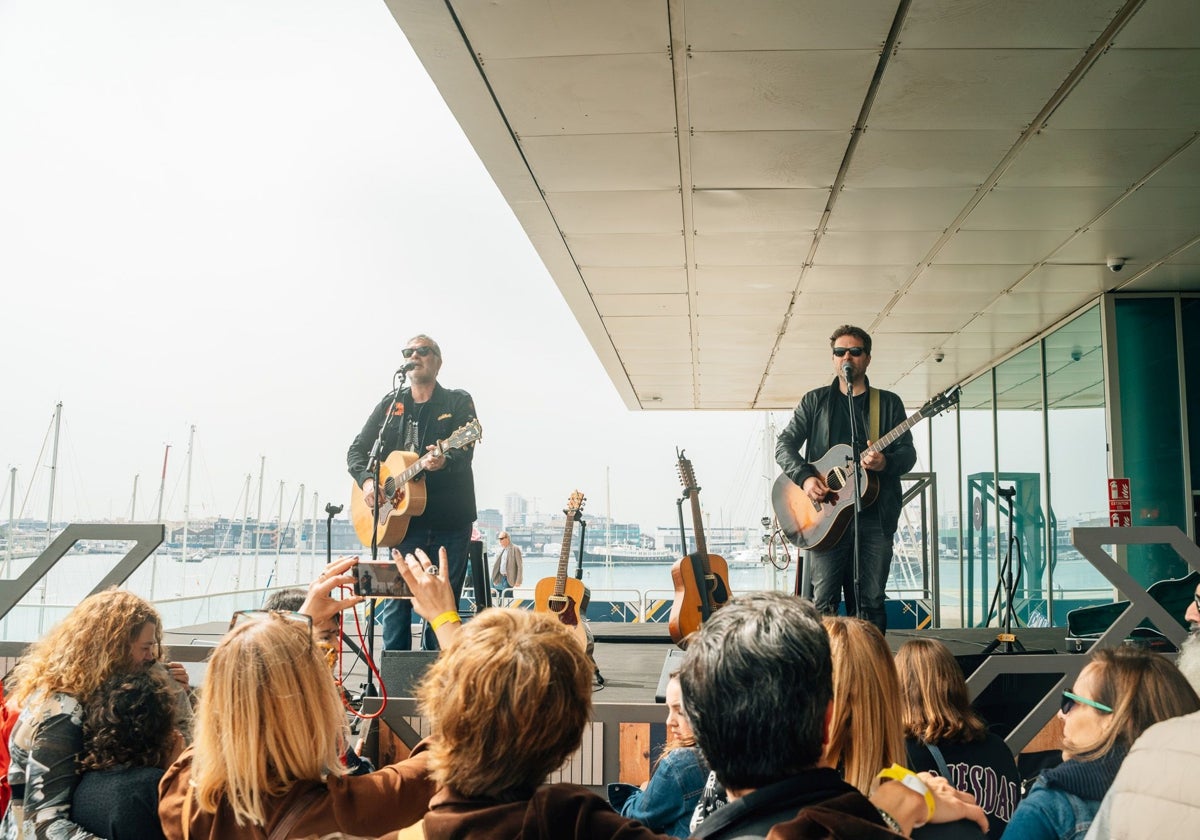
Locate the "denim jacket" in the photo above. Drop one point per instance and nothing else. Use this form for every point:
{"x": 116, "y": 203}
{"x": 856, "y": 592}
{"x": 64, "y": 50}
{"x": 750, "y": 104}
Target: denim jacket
{"x": 667, "y": 803}
{"x": 1063, "y": 802}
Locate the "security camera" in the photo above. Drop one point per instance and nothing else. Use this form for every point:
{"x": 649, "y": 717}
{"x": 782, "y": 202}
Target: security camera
{"x": 939, "y": 357}
{"x": 1076, "y": 354}
{"x": 1116, "y": 263}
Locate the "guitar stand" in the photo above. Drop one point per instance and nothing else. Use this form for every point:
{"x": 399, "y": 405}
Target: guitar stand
{"x": 1007, "y": 638}
{"x": 597, "y": 677}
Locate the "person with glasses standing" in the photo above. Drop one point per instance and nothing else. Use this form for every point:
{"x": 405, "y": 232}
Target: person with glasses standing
{"x": 425, "y": 413}
{"x": 1118, "y": 695}
{"x": 822, "y": 420}
{"x": 509, "y": 567}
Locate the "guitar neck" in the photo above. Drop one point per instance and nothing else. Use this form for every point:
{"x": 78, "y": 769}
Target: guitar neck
{"x": 698, "y": 529}
{"x": 560, "y": 579}
{"x": 886, "y": 440}
{"x": 418, "y": 466}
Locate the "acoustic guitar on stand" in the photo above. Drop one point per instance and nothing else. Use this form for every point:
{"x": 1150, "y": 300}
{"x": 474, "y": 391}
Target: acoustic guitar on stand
{"x": 402, "y": 497}
{"x": 701, "y": 579}
{"x": 562, "y": 596}
{"x": 815, "y": 526}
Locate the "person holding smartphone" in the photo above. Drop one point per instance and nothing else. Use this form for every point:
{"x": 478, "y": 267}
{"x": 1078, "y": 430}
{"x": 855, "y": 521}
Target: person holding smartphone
{"x": 423, "y": 413}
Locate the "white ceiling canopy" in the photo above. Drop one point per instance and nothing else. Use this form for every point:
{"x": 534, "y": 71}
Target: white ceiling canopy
{"x": 716, "y": 186}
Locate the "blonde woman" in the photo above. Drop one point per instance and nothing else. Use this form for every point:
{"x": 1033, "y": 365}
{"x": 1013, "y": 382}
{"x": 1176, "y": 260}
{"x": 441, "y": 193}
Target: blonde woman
{"x": 865, "y": 729}
{"x": 111, "y": 632}
{"x": 270, "y": 733}
{"x": 945, "y": 735}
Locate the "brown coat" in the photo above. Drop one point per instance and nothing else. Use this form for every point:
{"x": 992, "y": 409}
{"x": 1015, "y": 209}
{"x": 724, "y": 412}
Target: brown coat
{"x": 388, "y": 799}
{"x": 554, "y": 812}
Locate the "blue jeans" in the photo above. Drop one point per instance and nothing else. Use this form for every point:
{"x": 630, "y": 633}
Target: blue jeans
{"x": 833, "y": 571}
{"x": 395, "y": 614}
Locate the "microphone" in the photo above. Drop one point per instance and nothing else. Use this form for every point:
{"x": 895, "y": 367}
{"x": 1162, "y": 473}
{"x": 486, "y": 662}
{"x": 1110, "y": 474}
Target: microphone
{"x": 848, "y": 371}
{"x": 406, "y": 367}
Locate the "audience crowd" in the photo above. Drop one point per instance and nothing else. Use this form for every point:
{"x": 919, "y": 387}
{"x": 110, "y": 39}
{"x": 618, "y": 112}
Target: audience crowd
{"x": 781, "y": 724}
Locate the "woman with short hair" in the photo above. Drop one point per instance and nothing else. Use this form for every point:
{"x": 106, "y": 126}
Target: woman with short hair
{"x": 507, "y": 704}
{"x": 1118, "y": 695}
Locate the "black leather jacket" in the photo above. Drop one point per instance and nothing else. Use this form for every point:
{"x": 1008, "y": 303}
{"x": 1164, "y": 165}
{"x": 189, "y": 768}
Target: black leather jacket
{"x": 451, "y": 489}
{"x": 809, "y": 427}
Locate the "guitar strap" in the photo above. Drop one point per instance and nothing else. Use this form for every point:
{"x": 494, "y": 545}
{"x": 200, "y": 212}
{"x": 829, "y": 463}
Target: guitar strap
{"x": 873, "y": 412}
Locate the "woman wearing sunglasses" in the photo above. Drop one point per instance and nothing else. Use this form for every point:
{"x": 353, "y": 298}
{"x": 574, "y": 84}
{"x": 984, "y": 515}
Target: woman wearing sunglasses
{"x": 1119, "y": 694}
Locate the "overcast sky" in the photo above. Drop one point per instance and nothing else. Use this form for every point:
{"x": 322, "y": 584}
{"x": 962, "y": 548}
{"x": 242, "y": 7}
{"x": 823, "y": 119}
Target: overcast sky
{"x": 233, "y": 215}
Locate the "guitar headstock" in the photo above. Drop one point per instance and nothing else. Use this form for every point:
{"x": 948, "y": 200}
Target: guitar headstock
{"x": 574, "y": 504}
{"x": 687, "y": 476}
{"x": 941, "y": 402}
{"x": 464, "y": 436}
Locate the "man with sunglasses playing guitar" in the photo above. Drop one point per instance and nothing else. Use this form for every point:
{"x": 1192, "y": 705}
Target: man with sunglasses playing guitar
{"x": 424, "y": 414}
{"x": 820, "y": 421}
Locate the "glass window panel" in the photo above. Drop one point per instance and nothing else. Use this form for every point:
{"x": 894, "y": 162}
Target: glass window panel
{"x": 1078, "y": 458}
{"x": 1021, "y": 547}
{"x": 943, "y": 430}
{"x": 978, "y": 474}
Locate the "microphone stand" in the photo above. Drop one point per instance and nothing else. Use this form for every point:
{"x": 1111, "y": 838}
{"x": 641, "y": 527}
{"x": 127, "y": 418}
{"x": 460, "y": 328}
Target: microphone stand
{"x": 374, "y": 462}
{"x": 856, "y": 466}
{"x": 587, "y": 597}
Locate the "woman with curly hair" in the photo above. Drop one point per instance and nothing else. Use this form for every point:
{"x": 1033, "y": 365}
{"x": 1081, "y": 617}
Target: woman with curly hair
{"x": 129, "y": 739}
{"x": 944, "y": 734}
{"x": 111, "y": 632}
{"x": 1118, "y": 695}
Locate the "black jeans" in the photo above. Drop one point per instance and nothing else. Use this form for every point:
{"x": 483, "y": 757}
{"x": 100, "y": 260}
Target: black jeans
{"x": 833, "y": 570}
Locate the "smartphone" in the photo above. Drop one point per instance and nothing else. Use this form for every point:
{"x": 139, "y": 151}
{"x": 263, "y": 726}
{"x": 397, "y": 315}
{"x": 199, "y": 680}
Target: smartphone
{"x": 379, "y": 579}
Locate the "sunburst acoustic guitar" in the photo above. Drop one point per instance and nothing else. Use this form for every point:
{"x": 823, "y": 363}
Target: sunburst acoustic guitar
{"x": 701, "y": 579}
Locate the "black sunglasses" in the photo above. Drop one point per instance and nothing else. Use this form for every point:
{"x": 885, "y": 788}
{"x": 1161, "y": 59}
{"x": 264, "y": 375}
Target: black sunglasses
{"x": 422, "y": 351}
{"x": 853, "y": 351}
{"x": 1196, "y": 598}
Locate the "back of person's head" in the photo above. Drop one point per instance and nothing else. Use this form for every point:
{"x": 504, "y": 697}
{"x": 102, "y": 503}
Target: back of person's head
{"x": 130, "y": 720}
{"x": 757, "y": 682}
{"x": 93, "y": 642}
{"x": 285, "y": 600}
{"x": 1142, "y": 688}
{"x": 866, "y": 732}
{"x": 269, "y": 716}
{"x": 507, "y": 703}
{"x": 936, "y": 705}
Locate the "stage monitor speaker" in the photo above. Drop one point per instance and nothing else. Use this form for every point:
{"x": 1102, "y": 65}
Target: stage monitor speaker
{"x": 401, "y": 670}
{"x": 478, "y": 571}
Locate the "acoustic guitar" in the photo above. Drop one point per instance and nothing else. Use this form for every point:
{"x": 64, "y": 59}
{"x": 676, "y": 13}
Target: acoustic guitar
{"x": 701, "y": 579}
{"x": 562, "y": 596}
{"x": 403, "y": 498}
{"x": 816, "y": 526}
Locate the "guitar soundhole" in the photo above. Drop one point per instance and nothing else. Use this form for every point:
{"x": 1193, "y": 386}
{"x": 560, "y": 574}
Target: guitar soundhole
{"x": 836, "y": 479}
{"x": 560, "y": 605}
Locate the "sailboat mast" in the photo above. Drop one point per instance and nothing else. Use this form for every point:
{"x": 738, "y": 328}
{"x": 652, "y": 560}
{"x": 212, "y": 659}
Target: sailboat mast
{"x": 187, "y": 500}
{"x": 262, "y": 469}
{"x": 133, "y": 501}
{"x": 12, "y": 521}
{"x": 53, "y": 473}
{"x": 162, "y": 489}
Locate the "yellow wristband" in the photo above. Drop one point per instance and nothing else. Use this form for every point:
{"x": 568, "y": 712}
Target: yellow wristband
{"x": 911, "y": 781}
{"x": 447, "y": 616}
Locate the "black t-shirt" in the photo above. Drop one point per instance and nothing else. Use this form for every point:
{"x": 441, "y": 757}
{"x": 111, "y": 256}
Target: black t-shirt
{"x": 985, "y": 769}
{"x": 839, "y": 421}
{"x": 119, "y": 804}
